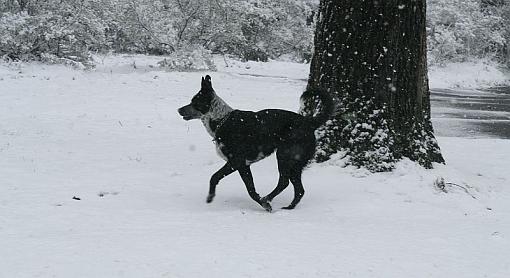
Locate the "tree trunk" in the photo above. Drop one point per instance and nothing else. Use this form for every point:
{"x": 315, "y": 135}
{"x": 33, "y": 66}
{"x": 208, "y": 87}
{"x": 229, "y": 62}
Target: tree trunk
{"x": 371, "y": 56}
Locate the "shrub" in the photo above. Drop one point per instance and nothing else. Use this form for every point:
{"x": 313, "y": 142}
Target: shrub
{"x": 191, "y": 58}
{"x": 459, "y": 30}
{"x": 34, "y": 37}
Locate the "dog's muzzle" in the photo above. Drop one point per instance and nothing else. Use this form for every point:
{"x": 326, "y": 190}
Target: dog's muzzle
{"x": 189, "y": 113}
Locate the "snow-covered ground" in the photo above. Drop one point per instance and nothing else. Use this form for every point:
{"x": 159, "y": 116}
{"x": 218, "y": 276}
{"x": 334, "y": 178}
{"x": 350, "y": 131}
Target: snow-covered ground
{"x": 468, "y": 75}
{"x": 112, "y": 138}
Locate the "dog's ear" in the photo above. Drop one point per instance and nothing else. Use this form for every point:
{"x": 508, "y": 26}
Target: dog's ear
{"x": 206, "y": 83}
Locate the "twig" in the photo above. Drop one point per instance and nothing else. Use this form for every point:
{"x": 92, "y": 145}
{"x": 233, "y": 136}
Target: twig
{"x": 462, "y": 187}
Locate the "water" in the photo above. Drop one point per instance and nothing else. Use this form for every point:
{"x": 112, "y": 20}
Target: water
{"x": 472, "y": 113}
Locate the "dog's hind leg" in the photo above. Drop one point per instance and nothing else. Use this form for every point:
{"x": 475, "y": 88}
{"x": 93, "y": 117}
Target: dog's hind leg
{"x": 247, "y": 177}
{"x": 283, "y": 182}
{"x": 215, "y": 179}
{"x": 292, "y": 159}
{"x": 299, "y": 191}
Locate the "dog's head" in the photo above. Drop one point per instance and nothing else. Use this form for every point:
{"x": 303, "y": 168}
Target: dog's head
{"x": 200, "y": 103}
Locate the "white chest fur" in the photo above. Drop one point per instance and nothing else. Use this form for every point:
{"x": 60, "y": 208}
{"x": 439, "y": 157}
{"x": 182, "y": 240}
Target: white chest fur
{"x": 206, "y": 120}
{"x": 219, "y": 152}
{"x": 219, "y": 110}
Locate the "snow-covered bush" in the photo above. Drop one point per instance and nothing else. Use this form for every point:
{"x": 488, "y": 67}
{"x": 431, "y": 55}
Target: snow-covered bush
{"x": 17, "y": 35}
{"x": 270, "y": 29}
{"x": 505, "y": 14}
{"x": 459, "y": 30}
{"x": 191, "y": 58}
{"x": 47, "y": 31}
{"x": 251, "y": 30}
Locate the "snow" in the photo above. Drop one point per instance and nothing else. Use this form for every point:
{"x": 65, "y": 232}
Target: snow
{"x": 112, "y": 137}
{"x": 468, "y": 75}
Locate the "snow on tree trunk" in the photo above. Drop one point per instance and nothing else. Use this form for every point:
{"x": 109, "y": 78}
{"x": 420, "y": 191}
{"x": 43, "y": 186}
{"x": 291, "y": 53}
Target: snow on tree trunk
{"x": 371, "y": 56}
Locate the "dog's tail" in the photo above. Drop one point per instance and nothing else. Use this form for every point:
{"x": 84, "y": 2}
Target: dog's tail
{"x": 317, "y": 105}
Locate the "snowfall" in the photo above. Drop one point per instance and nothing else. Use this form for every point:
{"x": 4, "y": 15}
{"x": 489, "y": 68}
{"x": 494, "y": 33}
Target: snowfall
{"x": 100, "y": 177}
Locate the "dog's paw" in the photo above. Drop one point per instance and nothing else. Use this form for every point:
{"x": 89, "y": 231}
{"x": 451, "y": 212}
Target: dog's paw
{"x": 266, "y": 206}
{"x": 210, "y": 198}
{"x": 289, "y": 207}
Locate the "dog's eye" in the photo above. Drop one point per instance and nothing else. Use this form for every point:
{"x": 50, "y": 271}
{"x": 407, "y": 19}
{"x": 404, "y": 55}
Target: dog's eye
{"x": 202, "y": 101}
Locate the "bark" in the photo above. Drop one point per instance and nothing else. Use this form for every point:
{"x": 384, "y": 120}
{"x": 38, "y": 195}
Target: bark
{"x": 371, "y": 56}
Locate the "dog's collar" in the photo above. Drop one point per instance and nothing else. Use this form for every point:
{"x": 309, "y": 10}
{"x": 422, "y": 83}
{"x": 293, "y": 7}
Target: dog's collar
{"x": 222, "y": 121}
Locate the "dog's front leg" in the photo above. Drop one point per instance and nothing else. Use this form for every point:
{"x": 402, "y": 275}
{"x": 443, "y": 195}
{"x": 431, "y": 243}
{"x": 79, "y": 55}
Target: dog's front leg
{"x": 215, "y": 179}
{"x": 245, "y": 173}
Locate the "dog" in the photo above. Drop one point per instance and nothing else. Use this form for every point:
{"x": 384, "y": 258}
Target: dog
{"x": 245, "y": 137}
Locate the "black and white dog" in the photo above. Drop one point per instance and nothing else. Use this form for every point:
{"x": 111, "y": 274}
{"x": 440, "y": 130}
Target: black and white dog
{"x": 245, "y": 137}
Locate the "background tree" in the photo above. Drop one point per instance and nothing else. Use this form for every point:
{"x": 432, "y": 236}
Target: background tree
{"x": 372, "y": 57}
{"x": 459, "y": 31}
